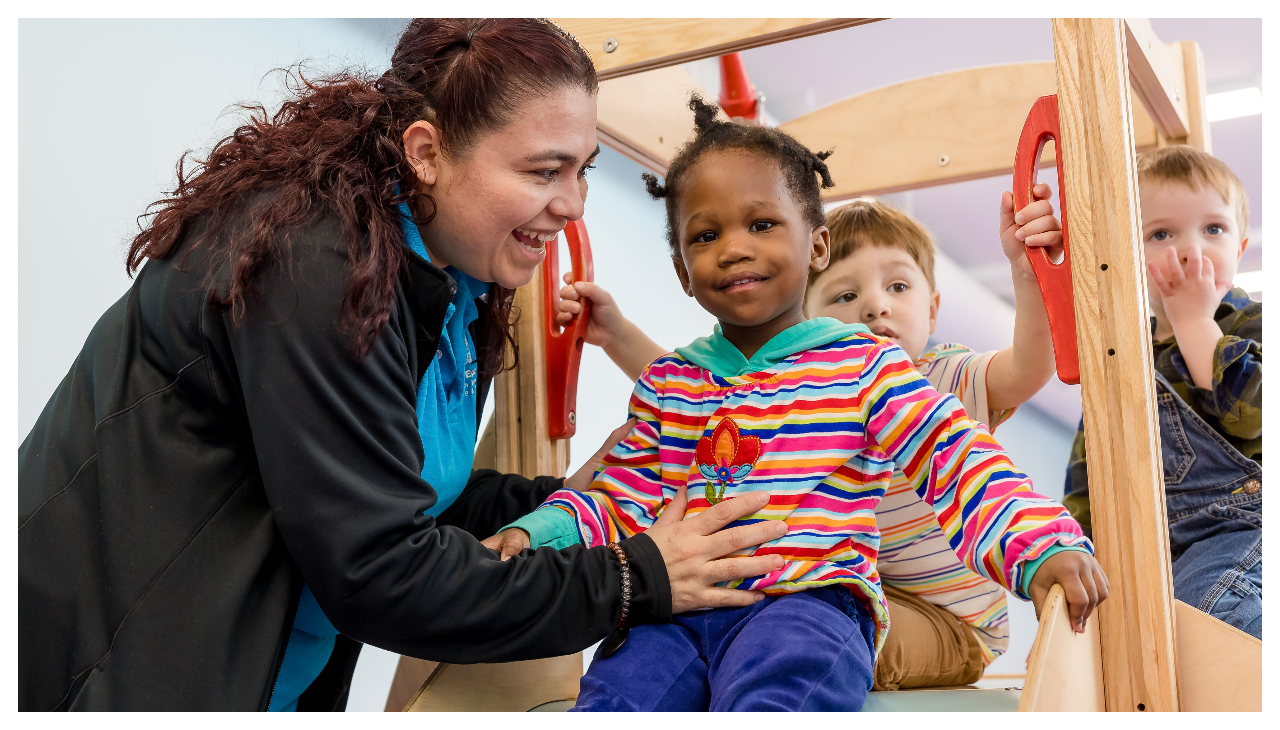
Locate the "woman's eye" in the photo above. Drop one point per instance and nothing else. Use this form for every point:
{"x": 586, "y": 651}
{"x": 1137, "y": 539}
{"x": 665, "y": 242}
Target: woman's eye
{"x": 1214, "y": 230}
{"x": 761, "y": 226}
{"x": 897, "y": 287}
{"x": 1160, "y": 236}
{"x": 846, "y": 297}
{"x": 583, "y": 171}
{"x": 548, "y": 175}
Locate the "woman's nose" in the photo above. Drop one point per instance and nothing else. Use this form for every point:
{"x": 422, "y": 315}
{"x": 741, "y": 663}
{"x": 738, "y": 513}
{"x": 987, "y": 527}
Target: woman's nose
{"x": 570, "y": 200}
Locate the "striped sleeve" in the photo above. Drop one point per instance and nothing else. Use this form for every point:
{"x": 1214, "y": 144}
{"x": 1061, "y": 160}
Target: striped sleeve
{"x": 626, "y": 495}
{"x": 992, "y": 519}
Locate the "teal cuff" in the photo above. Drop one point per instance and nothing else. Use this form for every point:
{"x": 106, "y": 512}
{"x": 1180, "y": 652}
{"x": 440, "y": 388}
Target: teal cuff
{"x": 548, "y": 526}
{"x": 1031, "y": 566}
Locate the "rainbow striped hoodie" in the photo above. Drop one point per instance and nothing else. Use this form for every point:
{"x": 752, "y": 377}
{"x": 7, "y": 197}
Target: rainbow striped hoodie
{"x": 820, "y": 418}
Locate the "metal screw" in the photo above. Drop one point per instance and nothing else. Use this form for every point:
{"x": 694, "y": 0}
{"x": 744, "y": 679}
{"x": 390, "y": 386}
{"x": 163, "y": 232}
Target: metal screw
{"x": 943, "y": 160}
{"x": 610, "y": 45}
{"x": 1177, "y": 94}
{"x": 573, "y": 418}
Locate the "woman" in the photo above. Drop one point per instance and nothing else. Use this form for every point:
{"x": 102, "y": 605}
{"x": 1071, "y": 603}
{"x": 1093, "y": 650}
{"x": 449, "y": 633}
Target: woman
{"x": 267, "y": 440}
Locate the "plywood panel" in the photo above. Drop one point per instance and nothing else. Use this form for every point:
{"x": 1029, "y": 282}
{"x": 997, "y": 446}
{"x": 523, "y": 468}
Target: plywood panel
{"x": 643, "y": 44}
{"x": 510, "y": 687}
{"x": 1219, "y": 666}
{"x": 1064, "y": 669}
{"x": 1117, "y": 385}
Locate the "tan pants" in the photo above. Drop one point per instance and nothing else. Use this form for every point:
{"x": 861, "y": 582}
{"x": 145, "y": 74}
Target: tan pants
{"x": 927, "y": 646}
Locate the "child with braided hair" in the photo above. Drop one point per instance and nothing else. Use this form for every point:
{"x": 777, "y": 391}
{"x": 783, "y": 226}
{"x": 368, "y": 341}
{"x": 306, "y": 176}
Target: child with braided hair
{"x": 817, "y": 413}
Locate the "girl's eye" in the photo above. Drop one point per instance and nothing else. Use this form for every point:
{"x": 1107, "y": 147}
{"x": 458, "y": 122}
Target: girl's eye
{"x": 705, "y": 237}
{"x": 761, "y": 226}
{"x": 897, "y": 287}
{"x": 1214, "y": 230}
{"x": 846, "y": 297}
{"x": 1160, "y": 236}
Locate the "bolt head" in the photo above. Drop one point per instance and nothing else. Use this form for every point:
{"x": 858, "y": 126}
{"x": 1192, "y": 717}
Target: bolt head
{"x": 573, "y": 418}
{"x": 610, "y": 45}
{"x": 944, "y": 160}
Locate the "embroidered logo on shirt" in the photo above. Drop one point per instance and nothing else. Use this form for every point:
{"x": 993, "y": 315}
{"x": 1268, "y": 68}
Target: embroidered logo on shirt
{"x": 726, "y": 457}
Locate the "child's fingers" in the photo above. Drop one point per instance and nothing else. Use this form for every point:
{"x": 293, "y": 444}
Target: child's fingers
{"x": 1041, "y": 191}
{"x": 1043, "y": 224}
{"x": 1173, "y": 271}
{"x": 1100, "y": 581}
{"x": 1156, "y": 272}
{"x": 569, "y": 292}
{"x": 568, "y": 278}
{"x": 1048, "y": 238}
{"x": 1006, "y": 210}
{"x": 1079, "y": 601}
{"x": 1194, "y": 267}
{"x": 569, "y": 307}
{"x": 1038, "y": 209}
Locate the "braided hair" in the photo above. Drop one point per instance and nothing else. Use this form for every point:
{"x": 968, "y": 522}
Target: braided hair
{"x": 801, "y": 167}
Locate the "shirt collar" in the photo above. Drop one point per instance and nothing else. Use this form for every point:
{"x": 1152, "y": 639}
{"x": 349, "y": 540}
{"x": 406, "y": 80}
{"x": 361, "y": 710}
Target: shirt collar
{"x": 720, "y": 356}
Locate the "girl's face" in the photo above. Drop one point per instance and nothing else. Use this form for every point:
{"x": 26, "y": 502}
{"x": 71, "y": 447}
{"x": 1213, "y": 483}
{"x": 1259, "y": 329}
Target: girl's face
{"x": 745, "y": 248}
{"x": 500, "y": 202}
{"x": 884, "y": 288}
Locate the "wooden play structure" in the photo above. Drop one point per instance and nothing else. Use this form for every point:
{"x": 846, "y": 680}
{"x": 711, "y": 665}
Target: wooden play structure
{"x": 1113, "y": 89}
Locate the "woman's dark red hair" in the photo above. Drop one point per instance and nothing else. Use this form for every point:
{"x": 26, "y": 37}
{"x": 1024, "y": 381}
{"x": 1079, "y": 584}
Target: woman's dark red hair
{"x": 335, "y": 147}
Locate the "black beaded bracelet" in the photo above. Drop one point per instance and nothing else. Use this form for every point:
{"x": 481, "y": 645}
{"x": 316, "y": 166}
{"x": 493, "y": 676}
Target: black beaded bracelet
{"x": 620, "y": 630}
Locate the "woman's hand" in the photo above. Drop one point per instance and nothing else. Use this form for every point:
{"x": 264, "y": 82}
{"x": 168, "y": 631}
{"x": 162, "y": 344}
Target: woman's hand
{"x": 1082, "y": 580}
{"x": 694, "y": 551}
{"x": 509, "y": 542}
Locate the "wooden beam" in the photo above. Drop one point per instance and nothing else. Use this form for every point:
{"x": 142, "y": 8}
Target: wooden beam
{"x": 1219, "y": 666}
{"x": 511, "y": 687}
{"x": 1157, "y": 74}
{"x": 1197, "y": 113}
{"x": 1064, "y": 669}
{"x": 646, "y": 116}
{"x": 1126, "y": 482}
{"x": 643, "y": 44}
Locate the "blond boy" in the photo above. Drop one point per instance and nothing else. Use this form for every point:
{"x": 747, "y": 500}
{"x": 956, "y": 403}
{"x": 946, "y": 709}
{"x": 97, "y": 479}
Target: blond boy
{"x": 1207, "y": 348}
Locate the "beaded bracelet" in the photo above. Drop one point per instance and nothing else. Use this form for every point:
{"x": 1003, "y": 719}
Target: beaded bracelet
{"x": 620, "y": 631}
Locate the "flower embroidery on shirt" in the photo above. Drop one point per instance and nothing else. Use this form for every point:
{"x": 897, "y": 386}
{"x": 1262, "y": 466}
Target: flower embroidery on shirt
{"x": 726, "y": 457}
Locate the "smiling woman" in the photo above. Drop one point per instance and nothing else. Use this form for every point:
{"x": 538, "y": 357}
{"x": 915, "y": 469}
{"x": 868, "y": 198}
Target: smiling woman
{"x": 261, "y": 457}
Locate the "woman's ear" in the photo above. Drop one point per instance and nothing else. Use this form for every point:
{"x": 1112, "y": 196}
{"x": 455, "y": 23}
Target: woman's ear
{"x": 682, "y": 274}
{"x": 820, "y": 256}
{"x": 422, "y": 147}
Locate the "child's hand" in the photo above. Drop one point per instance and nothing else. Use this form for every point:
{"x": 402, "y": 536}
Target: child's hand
{"x": 1082, "y": 580}
{"x": 1034, "y": 225}
{"x": 606, "y": 318}
{"x": 511, "y": 541}
{"x": 1188, "y": 291}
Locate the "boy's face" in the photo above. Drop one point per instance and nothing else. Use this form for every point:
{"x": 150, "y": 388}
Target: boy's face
{"x": 883, "y": 288}
{"x": 1175, "y": 215}
{"x": 745, "y": 248}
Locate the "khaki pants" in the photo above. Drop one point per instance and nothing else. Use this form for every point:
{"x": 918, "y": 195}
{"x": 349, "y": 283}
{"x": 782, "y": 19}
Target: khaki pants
{"x": 927, "y": 646}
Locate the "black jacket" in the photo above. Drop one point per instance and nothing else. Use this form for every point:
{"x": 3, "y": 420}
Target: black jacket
{"x": 189, "y": 474}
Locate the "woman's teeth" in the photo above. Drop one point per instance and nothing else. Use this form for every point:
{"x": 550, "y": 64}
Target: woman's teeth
{"x": 535, "y": 240}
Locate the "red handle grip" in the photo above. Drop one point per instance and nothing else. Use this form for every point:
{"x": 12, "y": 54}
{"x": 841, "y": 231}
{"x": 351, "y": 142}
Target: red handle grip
{"x": 564, "y": 347}
{"x": 1054, "y": 279}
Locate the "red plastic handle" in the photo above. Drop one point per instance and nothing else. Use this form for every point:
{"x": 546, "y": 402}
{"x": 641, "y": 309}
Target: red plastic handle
{"x": 1054, "y": 279}
{"x": 564, "y": 347}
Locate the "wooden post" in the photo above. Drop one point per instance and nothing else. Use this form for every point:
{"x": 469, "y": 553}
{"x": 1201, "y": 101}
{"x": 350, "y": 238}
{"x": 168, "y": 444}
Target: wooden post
{"x": 1197, "y": 114}
{"x": 1117, "y": 386}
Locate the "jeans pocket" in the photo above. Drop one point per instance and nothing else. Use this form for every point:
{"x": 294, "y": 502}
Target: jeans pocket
{"x": 1236, "y": 516}
{"x": 1175, "y": 449}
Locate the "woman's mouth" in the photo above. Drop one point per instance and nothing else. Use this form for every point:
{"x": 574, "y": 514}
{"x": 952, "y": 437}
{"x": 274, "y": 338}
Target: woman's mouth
{"x": 741, "y": 282}
{"x": 532, "y": 241}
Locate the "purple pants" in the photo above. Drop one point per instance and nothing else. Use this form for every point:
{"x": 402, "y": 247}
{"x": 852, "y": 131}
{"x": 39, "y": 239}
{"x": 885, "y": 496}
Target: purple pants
{"x": 808, "y": 651}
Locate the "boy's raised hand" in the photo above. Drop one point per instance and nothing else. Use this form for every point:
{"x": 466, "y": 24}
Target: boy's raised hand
{"x": 1188, "y": 291}
{"x": 1082, "y": 581}
{"x": 606, "y": 317}
{"x": 1034, "y": 225}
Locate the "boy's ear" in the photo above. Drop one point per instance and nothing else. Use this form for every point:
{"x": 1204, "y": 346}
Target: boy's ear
{"x": 933, "y": 311}
{"x": 820, "y": 257}
{"x": 422, "y": 145}
{"x": 682, "y": 274}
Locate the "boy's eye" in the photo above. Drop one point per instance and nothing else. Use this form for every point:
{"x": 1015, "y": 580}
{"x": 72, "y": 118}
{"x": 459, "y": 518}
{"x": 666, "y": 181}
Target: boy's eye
{"x": 846, "y": 297}
{"x": 897, "y": 287}
{"x": 1160, "y": 236}
{"x": 1214, "y": 229}
{"x": 761, "y": 226}
{"x": 705, "y": 237}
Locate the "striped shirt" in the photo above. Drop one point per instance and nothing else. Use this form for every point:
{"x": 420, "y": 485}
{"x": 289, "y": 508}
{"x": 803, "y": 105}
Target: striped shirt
{"x": 914, "y": 553}
{"x": 823, "y": 431}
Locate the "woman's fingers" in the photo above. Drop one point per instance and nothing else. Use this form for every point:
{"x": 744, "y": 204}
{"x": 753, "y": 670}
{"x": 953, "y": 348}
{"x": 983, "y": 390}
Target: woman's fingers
{"x": 725, "y": 569}
{"x": 740, "y": 538}
{"x": 726, "y": 597}
{"x": 710, "y": 521}
{"x": 673, "y": 513}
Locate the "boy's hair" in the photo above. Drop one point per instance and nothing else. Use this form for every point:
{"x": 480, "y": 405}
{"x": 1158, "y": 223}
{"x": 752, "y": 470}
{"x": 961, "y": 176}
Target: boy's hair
{"x": 1189, "y": 166}
{"x": 798, "y": 163}
{"x": 870, "y": 222}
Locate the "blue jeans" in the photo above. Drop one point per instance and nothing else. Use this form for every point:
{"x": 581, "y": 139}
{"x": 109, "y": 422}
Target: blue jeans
{"x": 1213, "y": 495}
{"x": 800, "y": 651}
